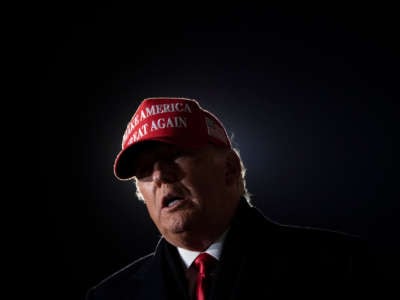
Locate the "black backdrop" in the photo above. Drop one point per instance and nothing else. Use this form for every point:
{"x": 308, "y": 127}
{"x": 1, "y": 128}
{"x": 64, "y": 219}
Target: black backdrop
{"x": 309, "y": 95}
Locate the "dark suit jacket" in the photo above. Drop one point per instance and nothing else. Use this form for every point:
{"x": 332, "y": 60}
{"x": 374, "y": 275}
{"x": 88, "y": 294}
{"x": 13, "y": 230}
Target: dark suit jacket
{"x": 261, "y": 259}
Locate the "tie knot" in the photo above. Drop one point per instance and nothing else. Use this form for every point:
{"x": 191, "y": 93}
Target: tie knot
{"x": 204, "y": 262}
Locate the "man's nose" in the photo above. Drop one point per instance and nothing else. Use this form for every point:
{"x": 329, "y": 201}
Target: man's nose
{"x": 165, "y": 172}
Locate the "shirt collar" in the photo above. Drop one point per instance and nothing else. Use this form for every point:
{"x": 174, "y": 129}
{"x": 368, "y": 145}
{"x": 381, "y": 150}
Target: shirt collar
{"x": 214, "y": 249}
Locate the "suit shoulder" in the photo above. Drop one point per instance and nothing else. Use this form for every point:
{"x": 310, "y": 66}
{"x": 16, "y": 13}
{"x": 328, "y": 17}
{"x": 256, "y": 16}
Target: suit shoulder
{"x": 124, "y": 274}
{"x": 305, "y": 236}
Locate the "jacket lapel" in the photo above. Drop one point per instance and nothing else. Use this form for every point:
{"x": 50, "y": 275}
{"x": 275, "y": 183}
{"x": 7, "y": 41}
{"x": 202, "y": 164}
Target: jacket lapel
{"x": 163, "y": 278}
{"x": 150, "y": 282}
{"x": 240, "y": 252}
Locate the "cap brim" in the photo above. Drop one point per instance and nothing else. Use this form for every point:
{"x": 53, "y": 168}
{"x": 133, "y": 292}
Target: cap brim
{"x": 126, "y": 162}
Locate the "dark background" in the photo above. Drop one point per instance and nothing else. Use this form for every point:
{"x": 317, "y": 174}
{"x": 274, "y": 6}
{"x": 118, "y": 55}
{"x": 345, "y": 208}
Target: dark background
{"x": 309, "y": 94}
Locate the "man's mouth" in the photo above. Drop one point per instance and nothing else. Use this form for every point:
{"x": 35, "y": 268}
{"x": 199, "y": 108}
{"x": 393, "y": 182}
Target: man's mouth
{"x": 171, "y": 200}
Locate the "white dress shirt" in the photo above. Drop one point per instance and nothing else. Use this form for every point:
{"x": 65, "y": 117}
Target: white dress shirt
{"x": 215, "y": 249}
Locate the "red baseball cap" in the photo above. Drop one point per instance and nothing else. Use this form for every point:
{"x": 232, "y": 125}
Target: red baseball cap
{"x": 177, "y": 121}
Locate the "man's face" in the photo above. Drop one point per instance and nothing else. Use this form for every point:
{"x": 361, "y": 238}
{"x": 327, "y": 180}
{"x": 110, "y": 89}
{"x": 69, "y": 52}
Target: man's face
{"x": 186, "y": 192}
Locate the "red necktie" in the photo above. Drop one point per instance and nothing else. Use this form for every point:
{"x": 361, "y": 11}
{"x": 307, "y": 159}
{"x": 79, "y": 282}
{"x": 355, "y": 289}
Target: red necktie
{"x": 203, "y": 262}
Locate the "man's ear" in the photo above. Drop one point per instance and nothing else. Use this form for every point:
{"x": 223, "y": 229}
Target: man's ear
{"x": 232, "y": 168}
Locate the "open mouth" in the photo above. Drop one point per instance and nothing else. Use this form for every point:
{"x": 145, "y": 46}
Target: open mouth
{"x": 170, "y": 200}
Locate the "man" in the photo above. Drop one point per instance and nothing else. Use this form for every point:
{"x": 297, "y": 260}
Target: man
{"x": 192, "y": 182}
